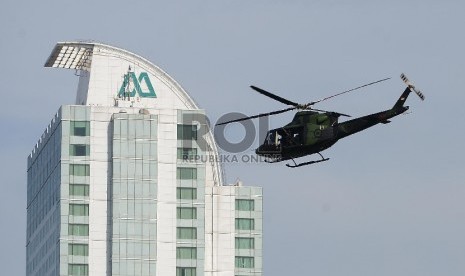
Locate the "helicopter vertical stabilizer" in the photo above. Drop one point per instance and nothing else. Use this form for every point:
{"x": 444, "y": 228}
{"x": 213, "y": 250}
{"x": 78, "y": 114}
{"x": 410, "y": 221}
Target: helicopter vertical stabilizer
{"x": 400, "y": 102}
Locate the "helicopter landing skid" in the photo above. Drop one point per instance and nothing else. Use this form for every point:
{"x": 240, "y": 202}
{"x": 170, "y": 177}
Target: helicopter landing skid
{"x": 272, "y": 160}
{"x": 307, "y": 163}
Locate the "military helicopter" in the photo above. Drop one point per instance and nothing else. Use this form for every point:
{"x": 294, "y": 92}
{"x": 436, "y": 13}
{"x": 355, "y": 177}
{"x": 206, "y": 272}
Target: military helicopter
{"x": 312, "y": 130}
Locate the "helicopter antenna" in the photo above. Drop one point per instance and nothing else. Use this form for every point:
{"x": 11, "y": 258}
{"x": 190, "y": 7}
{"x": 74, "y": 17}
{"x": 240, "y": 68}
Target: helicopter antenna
{"x": 347, "y": 91}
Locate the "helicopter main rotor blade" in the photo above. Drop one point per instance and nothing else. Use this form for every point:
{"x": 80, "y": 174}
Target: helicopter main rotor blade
{"x": 258, "y": 116}
{"x": 273, "y": 96}
{"x": 347, "y": 91}
{"x": 296, "y": 105}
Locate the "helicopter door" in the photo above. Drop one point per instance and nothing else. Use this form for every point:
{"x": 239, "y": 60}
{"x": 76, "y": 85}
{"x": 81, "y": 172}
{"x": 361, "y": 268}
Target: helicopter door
{"x": 322, "y": 133}
{"x": 291, "y": 136}
{"x": 297, "y": 134}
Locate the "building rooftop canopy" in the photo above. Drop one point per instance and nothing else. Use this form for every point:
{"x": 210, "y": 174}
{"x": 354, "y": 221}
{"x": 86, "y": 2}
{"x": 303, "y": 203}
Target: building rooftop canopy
{"x": 110, "y": 76}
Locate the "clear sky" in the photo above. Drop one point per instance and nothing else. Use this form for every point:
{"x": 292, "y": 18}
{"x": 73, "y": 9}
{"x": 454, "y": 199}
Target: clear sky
{"x": 391, "y": 199}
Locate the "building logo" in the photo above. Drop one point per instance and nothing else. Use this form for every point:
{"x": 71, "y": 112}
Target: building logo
{"x": 132, "y": 86}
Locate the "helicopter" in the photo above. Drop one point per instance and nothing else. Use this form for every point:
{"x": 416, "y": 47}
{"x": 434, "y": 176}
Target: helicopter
{"x": 312, "y": 130}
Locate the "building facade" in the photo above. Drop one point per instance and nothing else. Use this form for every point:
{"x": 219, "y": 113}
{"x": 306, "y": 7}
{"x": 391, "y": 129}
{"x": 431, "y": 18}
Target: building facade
{"x": 116, "y": 186}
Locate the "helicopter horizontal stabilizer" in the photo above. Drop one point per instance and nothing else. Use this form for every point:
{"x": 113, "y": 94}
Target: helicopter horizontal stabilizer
{"x": 412, "y": 87}
{"x": 386, "y": 122}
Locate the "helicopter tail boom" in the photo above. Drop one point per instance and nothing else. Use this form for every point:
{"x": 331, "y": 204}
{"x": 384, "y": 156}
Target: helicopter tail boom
{"x": 350, "y": 127}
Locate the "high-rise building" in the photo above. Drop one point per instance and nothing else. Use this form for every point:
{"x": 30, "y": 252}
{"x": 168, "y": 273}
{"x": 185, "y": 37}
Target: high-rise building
{"x": 115, "y": 185}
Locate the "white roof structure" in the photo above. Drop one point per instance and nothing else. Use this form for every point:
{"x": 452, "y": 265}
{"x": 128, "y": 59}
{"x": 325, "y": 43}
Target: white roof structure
{"x": 102, "y": 68}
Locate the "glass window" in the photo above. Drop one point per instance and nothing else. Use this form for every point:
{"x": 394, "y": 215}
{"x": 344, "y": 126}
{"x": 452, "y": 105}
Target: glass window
{"x": 79, "y": 209}
{"x": 186, "y": 233}
{"x": 187, "y": 132}
{"x": 186, "y": 213}
{"x": 78, "y": 269}
{"x": 245, "y": 204}
{"x": 78, "y": 190}
{"x": 187, "y": 153}
{"x": 186, "y": 271}
{"x": 245, "y": 262}
{"x": 186, "y": 253}
{"x": 245, "y": 243}
{"x": 78, "y": 229}
{"x": 186, "y": 173}
{"x": 79, "y": 169}
{"x": 79, "y": 150}
{"x": 78, "y": 249}
{"x": 245, "y": 224}
{"x": 80, "y": 128}
{"x": 186, "y": 193}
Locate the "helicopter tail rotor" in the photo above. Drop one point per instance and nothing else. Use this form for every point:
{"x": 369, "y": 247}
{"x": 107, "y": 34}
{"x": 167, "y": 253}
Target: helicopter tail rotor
{"x": 412, "y": 87}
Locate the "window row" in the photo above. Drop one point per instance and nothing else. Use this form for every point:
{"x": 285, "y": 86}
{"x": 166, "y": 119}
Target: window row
{"x": 187, "y": 132}
{"x": 245, "y": 204}
{"x": 245, "y": 262}
{"x": 78, "y": 229}
{"x": 78, "y": 269}
{"x": 188, "y": 233}
{"x": 186, "y": 213}
{"x": 80, "y": 128}
{"x": 79, "y": 169}
{"x": 245, "y": 224}
{"x": 84, "y": 170}
{"x": 77, "y": 249}
{"x": 78, "y": 209}
{"x": 79, "y": 150}
{"x": 186, "y": 253}
{"x": 78, "y": 190}
{"x": 186, "y": 271}
{"x": 186, "y": 193}
{"x": 186, "y": 153}
{"x": 245, "y": 243}
{"x": 186, "y": 173}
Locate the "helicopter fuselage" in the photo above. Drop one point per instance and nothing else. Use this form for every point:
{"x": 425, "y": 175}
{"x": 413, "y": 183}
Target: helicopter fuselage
{"x": 312, "y": 132}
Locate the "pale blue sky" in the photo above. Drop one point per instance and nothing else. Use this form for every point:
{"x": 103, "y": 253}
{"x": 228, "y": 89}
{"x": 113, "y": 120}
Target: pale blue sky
{"x": 391, "y": 199}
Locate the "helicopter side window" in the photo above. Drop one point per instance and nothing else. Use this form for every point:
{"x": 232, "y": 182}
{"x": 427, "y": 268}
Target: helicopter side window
{"x": 297, "y": 134}
{"x": 269, "y": 138}
{"x": 273, "y": 138}
{"x": 292, "y": 136}
{"x": 297, "y": 138}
